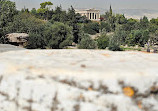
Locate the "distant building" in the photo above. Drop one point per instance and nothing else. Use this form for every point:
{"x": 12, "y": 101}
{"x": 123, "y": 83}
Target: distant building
{"x": 91, "y": 14}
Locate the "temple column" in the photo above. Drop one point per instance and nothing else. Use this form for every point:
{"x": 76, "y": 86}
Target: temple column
{"x": 93, "y": 16}
{"x": 98, "y": 16}
{"x": 90, "y": 16}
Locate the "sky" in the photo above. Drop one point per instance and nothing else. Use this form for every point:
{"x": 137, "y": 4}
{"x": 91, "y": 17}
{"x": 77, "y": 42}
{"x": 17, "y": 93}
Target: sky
{"x": 101, "y": 4}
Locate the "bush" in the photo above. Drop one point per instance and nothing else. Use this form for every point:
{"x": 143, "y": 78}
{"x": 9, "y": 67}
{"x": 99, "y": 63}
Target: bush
{"x": 115, "y": 47}
{"x": 91, "y": 28}
{"x": 103, "y": 41}
{"x": 35, "y": 41}
{"x": 58, "y": 35}
{"x": 87, "y": 42}
{"x": 26, "y": 23}
{"x": 114, "y": 44}
{"x": 138, "y": 37}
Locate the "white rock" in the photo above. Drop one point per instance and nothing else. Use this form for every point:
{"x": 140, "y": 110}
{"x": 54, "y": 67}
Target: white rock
{"x": 78, "y": 80}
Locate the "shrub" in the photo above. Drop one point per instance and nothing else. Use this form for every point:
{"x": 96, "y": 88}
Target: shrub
{"x": 114, "y": 44}
{"x": 87, "y": 42}
{"x": 58, "y": 35}
{"x": 103, "y": 41}
{"x": 91, "y": 28}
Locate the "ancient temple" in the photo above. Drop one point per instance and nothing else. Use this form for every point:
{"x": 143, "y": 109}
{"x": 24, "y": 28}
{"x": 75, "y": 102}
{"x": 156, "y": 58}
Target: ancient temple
{"x": 91, "y": 14}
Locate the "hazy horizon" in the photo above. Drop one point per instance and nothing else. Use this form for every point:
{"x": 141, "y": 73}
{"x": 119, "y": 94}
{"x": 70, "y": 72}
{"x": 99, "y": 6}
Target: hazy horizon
{"x": 101, "y": 4}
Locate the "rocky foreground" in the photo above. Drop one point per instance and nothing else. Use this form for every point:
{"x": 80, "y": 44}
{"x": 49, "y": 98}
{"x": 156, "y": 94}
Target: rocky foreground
{"x": 78, "y": 80}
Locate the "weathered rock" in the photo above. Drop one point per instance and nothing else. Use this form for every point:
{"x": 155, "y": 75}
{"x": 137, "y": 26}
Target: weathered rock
{"x": 18, "y": 38}
{"x": 78, "y": 80}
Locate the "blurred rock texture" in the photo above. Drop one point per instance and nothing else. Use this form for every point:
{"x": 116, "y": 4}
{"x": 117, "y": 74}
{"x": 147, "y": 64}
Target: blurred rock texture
{"x": 78, "y": 80}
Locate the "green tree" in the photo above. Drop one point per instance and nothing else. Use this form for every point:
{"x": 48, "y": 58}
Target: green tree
{"x": 7, "y": 12}
{"x": 87, "y": 42}
{"x": 44, "y": 10}
{"x": 59, "y": 15}
{"x": 34, "y": 12}
{"x": 73, "y": 21}
{"x": 121, "y": 35}
{"x": 92, "y": 28}
{"x": 58, "y": 36}
{"x": 114, "y": 44}
{"x": 103, "y": 41}
{"x": 26, "y": 23}
{"x": 130, "y": 25}
{"x": 36, "y": 40}
{"x": 154, "y": 21}
{"x": 138, "y": 37}
{"x": 154, "y": 38}
{"x": 106, "y": 26}
{"x": 120, "y": 19}
{"x": 144, "y": 23}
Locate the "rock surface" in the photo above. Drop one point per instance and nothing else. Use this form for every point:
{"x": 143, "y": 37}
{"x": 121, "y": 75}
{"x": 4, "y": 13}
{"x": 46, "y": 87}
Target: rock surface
{"x": 18, "y": 38}
{"x": 78, "y": 80}
{"x": 8, "y": 47}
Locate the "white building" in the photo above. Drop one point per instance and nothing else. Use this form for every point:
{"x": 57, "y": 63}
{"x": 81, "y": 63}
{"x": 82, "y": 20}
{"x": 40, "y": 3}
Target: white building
{"x": 91, "y": 14}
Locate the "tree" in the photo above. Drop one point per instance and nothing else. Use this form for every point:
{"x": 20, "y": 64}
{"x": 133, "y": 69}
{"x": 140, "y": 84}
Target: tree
{"x": 7, "y": 12}
{"x": 130, "y": 25}
{"x": 114, "y": 44}
{"x": 46, "y": 4}
{"x": 103, "y": 41}
{"x": 144, "y": 23}
{"x": 138, "y": 37}
{"x": 44, "y": 10}
{"x": 59, "y": 15}
{"x": 26, "y": 23}
{"x": 34, "y": 12}
{"x": 110, "y": 11}
{"x": 36, "y": 40}
{"x": 154, "y": 38}
{"x": 120, "y": 19}
{"x": 58, "y": 36}
{"x": 154, "y": 21}
{"x": 87, "y": 42}
{"x": 106, "y": 26}
{"x": 92, "y": 28}
{"x": 121, "y": 35}
{"x": 72, "y": 21}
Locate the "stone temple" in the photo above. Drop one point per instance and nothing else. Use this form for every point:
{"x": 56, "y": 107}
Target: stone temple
{"x": 91, "y": 14}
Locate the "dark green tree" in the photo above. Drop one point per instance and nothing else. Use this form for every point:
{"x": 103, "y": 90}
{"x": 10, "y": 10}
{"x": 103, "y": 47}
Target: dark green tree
{"x": 114, "y": 43}
{"x": 44, "y": 10}
{"x": 103, "y": 41}
{"x": 59, "y": 15}
{"x": 144, "y": 23}
{"x": 73, "y": 21}
{"x": 138, "y": 37}
{"x": 7, "y": 13}
{"x": 58, "y": 36}
{"x": 87, "y": 42}
{"x": 92, "y": 28}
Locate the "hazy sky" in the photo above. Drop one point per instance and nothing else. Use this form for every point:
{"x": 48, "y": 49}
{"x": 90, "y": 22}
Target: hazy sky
{"x": 116, "y": 4}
